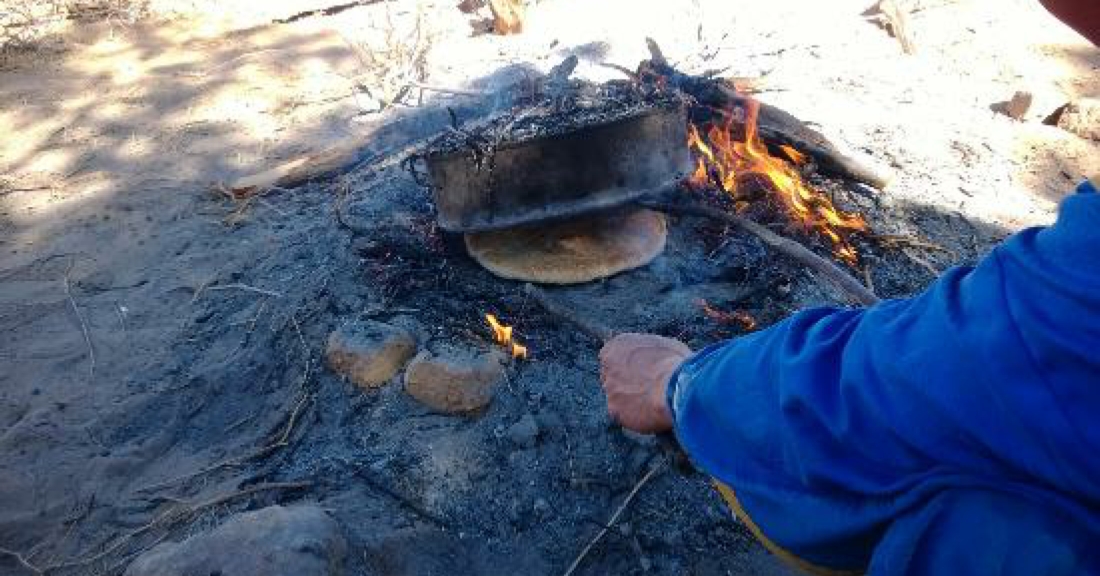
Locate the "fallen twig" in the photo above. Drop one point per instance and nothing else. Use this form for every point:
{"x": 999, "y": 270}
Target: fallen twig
{"x": 932, "y": 269}
{"x": 841, "y": 279}
{"x": 447, "y": 90}
{"x": 80, "y": 318}
{"x": 896, "y": 241}
{"x": 244, "y": 287}
{"x": 173, "y": 516}
{"x": 21, "y": 560}
{"x": 282, "y": 441}
{"x": 615, "y": 516}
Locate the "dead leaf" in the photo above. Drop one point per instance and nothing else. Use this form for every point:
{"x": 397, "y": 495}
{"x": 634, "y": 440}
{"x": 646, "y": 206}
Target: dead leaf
{"x": 471, "y": 6}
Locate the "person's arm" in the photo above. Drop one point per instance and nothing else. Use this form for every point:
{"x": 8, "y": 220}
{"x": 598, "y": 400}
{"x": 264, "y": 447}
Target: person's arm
{"x": 831, "y": 423}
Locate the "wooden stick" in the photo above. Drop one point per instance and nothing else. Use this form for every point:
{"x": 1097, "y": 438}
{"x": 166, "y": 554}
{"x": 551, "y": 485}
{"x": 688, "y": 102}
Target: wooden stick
{"x": 402, "y": 500}
{"x": 614, "y": 517}
{"x": 548, "y": 303}
{"x": 841, "y": 279}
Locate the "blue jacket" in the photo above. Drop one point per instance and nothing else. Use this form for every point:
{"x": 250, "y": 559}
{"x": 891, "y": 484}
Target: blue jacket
{"x": 956, "y": 432}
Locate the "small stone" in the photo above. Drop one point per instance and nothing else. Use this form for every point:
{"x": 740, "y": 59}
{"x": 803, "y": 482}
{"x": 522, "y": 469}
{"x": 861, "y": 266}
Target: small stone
{"x": 453, "y": 381}
{"x": 364, "y": 246}
{"x": 525, "y": 432}
{"x": 549, "y": 423}
{"x": 1081, "y": 118}
{"x": 369, "y": 353}
{"x": 542, "y": 507}
{"x": 274, "y": 541}
{"x": 671, "y": 537}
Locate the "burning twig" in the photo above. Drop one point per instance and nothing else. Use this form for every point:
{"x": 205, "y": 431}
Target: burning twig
{"x": 615, "y": 516}
{"x": 774, "y": 125}
{"x": 727, "y": 156}
{"x": 739, "y": 318}
{"x": 841, "y": 279}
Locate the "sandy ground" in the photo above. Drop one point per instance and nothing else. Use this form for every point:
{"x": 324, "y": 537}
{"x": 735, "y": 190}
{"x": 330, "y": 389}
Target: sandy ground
{"x": 122, "y": 369}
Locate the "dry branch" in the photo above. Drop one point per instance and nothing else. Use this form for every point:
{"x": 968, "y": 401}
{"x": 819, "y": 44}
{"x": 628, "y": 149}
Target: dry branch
{"x": 889, "y": 15}
{"x": 841, "y": 279}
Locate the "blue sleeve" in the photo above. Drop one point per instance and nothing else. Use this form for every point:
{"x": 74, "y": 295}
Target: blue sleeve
{"x": 833, "y": 423}
{"x": 1019, "y": 537}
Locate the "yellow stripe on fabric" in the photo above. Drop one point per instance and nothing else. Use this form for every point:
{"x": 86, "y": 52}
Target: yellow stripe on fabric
{"x": 780, "y": 552}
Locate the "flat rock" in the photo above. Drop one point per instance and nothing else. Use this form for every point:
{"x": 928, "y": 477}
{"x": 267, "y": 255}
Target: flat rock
{"x": 1081, "y": 118}
{"x": 454, "y": 381}
{"x": 275, "y": 541}
{"x": 369, "y": 353}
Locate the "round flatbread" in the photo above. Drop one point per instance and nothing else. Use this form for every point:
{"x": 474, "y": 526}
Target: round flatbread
{"x": 572, "y": 251}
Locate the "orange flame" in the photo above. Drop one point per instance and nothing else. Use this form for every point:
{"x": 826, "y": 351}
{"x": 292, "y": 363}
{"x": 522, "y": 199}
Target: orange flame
{"x": 721, "y": 160}
{"x": 503, "y": 335}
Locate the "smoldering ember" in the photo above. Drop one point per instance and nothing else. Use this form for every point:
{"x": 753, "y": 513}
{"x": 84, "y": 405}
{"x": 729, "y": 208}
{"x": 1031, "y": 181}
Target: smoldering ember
{"x": 322, "y": 288}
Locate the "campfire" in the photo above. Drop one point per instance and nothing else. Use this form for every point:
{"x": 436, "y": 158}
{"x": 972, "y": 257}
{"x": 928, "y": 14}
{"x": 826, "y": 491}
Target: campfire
{"x": 562, "y": 188}
{"x": 727, "y": 162}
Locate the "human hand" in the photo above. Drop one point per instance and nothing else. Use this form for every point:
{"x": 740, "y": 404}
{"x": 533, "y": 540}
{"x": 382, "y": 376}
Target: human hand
{"x": 634, "y": 371}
